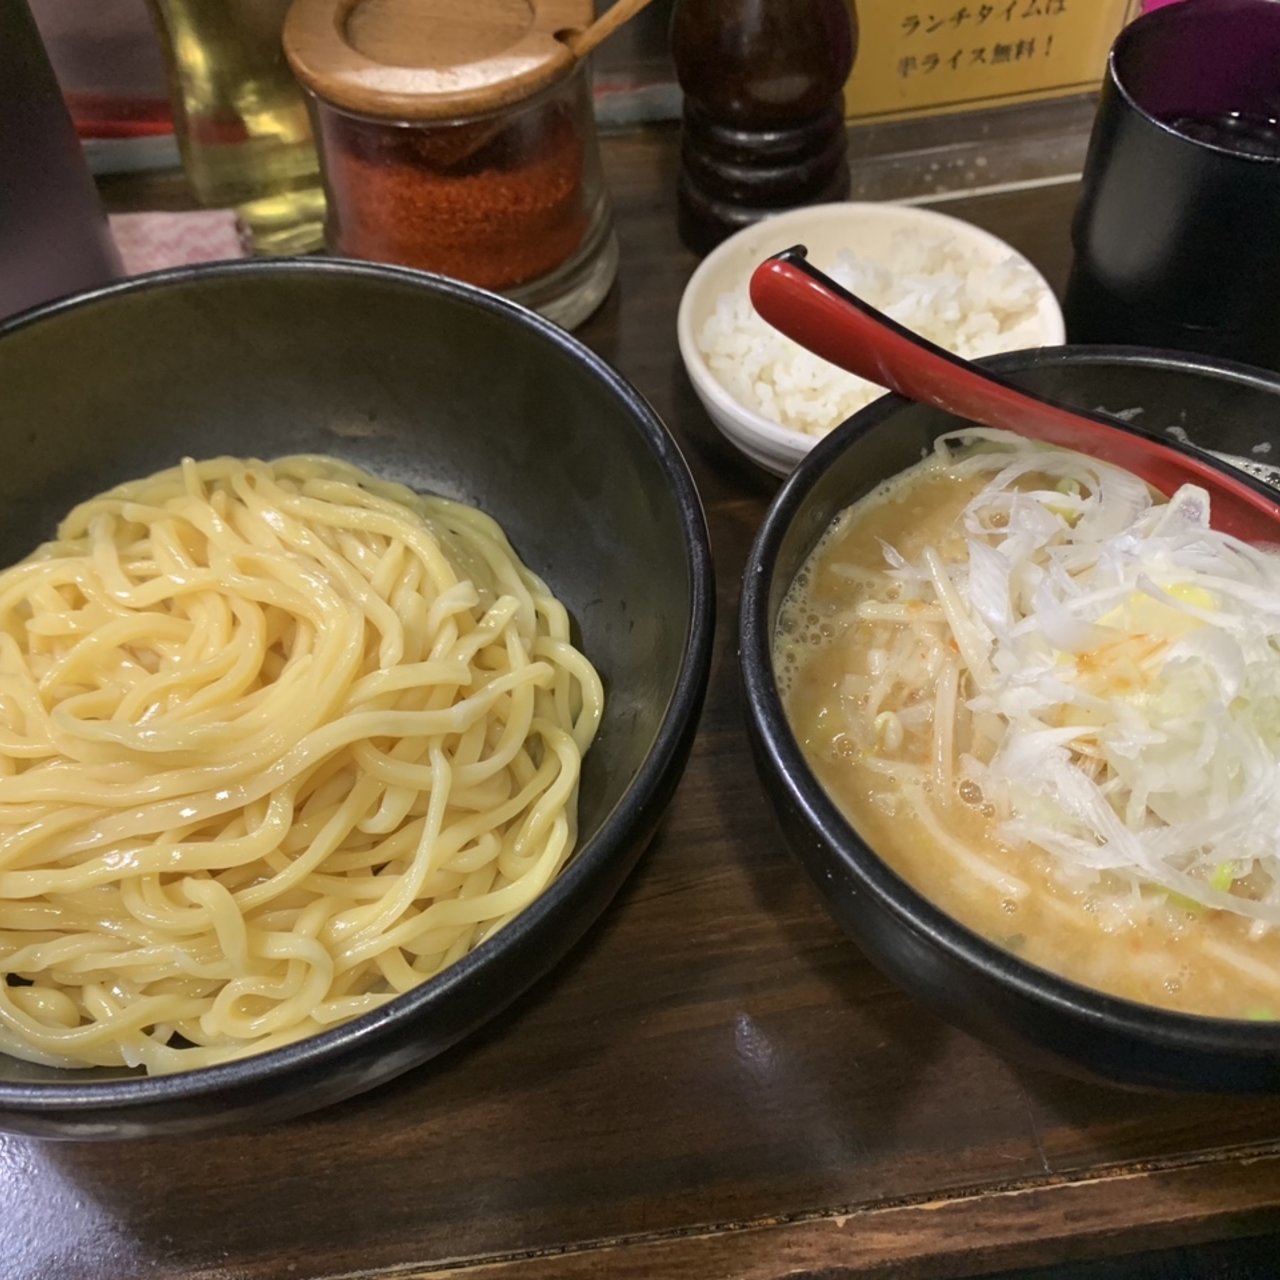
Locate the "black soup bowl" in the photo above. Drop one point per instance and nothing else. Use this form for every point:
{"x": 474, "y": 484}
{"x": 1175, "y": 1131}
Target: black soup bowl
{"x": 1034, "y": 1014}
{"x": 452, "y": 391}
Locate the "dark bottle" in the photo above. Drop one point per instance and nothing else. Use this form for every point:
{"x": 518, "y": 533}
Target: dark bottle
{"x": 53, "y": 233}
{"x": 763, "y": 126}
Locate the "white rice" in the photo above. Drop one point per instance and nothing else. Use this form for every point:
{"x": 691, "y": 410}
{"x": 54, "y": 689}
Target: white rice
{"x": 955, "y": 298}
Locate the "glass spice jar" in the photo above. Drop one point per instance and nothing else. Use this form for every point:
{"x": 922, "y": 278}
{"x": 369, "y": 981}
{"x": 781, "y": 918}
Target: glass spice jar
{"x": 469, "y": 151}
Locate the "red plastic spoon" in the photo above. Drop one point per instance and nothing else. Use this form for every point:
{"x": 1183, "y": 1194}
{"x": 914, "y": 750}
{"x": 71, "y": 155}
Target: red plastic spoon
{"x": 812, "y": 309}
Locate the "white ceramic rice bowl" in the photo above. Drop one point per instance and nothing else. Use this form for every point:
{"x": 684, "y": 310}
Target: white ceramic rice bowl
{"x": 865, "y": 228}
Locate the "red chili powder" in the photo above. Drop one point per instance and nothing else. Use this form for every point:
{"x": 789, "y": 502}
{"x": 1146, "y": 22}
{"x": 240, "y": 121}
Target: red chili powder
{"x": 493, "y": 203}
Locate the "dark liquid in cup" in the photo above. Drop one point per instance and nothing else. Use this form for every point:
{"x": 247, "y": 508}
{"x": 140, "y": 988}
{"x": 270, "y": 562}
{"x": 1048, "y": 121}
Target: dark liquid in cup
{"x": 1249, "y": 135}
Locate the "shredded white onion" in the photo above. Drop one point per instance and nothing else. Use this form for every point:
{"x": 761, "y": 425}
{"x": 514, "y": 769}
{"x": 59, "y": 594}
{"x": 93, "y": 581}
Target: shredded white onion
{"x": 1130, "y": 656}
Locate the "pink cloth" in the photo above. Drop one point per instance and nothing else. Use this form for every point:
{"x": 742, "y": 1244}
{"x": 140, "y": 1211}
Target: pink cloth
{"x": 150, "y": 241}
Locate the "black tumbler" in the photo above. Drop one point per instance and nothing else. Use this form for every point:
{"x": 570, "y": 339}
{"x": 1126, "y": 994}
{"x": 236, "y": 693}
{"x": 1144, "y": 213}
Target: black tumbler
{"x": 1177, "y": 234}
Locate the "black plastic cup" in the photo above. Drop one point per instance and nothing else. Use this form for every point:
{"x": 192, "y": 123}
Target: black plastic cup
{"x": 1177, "y": 233}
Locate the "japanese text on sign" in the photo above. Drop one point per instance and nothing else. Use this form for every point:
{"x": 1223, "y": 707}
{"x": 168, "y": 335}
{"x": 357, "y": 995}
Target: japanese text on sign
{"x": 989, "y": 16}
{"x": 924, "y": 55}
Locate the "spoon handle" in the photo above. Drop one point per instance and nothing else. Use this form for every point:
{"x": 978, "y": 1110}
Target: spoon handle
{"x": 581, "y": 43}
{"x": 813, "y": 310}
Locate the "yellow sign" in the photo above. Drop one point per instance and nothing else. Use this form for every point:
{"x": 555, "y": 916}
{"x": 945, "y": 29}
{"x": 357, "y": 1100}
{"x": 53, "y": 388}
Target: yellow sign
{"x": 924, "y": 57}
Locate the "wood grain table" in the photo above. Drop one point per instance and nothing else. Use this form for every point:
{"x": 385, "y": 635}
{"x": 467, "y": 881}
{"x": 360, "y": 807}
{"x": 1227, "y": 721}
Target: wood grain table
{"x": 716, "y": 1084}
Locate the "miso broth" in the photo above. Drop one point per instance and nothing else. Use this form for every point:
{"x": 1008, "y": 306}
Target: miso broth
{"x": 867, "y": 728}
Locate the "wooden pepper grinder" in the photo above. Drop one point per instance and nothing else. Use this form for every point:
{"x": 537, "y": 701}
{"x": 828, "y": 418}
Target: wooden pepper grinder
{"x": 763, "y": 127}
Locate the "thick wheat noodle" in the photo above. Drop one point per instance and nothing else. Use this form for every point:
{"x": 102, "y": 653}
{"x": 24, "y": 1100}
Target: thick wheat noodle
{"x": 278, "y": 741}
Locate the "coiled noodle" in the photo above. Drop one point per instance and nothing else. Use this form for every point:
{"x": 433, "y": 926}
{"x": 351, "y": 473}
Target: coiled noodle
{"x": 277, "y": 742}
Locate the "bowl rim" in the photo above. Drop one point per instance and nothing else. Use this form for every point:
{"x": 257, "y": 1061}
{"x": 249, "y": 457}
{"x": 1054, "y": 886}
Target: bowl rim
{"x": 1167, "y": 1029}
{"x": 120, "y": 1093}
{"x": 737, "y": 420}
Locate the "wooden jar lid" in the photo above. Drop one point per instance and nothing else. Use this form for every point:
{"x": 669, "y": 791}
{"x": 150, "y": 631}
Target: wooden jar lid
{"x": 430, "y": 59}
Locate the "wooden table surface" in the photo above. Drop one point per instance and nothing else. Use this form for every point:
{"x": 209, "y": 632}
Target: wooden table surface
{"x": 716, "y": 1083}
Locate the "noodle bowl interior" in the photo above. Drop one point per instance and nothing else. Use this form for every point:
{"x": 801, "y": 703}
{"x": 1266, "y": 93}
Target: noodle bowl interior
{"x": 1050, "y": 700}
{"x": 278, "y": 742}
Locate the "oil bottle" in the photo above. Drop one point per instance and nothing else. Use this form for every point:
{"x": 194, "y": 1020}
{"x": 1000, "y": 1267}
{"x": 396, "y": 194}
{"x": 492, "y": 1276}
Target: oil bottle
{"x": 241, "y": 120}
